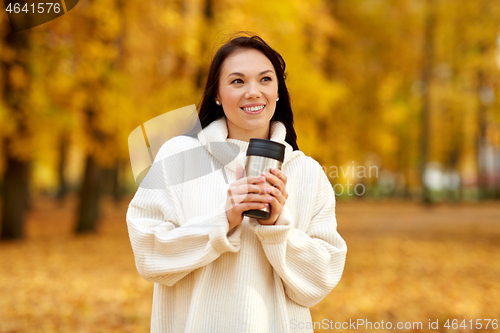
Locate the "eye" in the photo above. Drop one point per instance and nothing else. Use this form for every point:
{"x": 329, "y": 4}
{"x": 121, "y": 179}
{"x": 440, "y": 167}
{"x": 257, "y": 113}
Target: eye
{"x": 267, "y": 78}
{"x": 234, "y": 81}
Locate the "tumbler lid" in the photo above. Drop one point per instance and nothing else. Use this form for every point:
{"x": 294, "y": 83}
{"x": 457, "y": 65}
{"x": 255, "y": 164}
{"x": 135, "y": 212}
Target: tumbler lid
{"x": 266, "y": 148}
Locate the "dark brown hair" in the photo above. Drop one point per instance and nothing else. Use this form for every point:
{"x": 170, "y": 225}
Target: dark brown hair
{"x": 209, "y": 111}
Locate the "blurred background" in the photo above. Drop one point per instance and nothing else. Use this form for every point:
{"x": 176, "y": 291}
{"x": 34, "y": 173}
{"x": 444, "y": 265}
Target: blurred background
{"x": 398, "y": 100}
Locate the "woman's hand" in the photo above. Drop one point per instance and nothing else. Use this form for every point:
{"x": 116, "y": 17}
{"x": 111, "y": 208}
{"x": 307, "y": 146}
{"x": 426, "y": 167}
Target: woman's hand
{"x": 278, "y": 194}
{"x": 244, "y": 194}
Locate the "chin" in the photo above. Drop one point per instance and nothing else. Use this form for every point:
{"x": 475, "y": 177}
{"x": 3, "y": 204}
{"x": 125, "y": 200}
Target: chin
{"x": 257, "y": 123}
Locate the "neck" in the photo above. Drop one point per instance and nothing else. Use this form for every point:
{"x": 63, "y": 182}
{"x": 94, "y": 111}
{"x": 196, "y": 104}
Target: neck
{"x": 245, "y": 135}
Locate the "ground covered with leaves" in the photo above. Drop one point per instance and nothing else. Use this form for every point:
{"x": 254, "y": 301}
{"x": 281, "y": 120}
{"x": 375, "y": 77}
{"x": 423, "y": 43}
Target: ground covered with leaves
{"x": 406, "y": 263}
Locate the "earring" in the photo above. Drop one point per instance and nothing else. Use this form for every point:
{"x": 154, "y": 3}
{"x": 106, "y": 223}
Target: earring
{"x": 277, "y": 99}
{"x": 217, "y": 102}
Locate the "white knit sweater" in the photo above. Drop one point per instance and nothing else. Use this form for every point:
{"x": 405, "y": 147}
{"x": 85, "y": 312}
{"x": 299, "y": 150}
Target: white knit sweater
{"x": 255, "y": 278}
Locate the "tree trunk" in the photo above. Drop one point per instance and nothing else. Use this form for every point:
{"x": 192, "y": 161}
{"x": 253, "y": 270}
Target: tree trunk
{"x": 117, "y": 188}
{"x": 90, "y": 194}
{"x": 15, "y": 198}
{"x": 208, "y": 16}
{"x": 95, "y": 178}
{"x": 111, "y": 182}
{"x": 63, "y": 152}
{"x": 427, "y": 60}
{"x": 481, "y": 142}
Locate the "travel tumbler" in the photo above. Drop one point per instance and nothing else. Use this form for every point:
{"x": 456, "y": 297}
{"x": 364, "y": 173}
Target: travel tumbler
{"x": 262, "y": 155}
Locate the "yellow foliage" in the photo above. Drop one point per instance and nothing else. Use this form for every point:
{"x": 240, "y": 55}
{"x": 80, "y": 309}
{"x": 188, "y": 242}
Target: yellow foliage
{"x": 353, "y": 70}
{"x": 7, "y": 54}
{"x": 8, "y": 123}
{"x": 18, "y": 78}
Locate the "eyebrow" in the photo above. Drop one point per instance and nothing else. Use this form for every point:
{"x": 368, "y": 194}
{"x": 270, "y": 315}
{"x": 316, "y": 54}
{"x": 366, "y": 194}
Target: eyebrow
{"x": 241, "y": 74}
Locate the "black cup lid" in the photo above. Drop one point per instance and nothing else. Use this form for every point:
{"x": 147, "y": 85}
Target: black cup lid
{"x": 266, "y": 148}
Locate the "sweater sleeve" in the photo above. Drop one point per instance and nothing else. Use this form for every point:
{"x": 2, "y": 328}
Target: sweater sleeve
{"x": 310, "y": 263}
{"x": 167, "y": 248}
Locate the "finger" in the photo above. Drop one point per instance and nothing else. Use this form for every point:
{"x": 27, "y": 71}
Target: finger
{"x": 278, "y": 173}
{"x": 275, "y": 209}
{"x": 231, "y": 197}
{"x": 252, "y": 197}
{"x": 258, "y": 197}
{"x": 258, "y": 188}
{"x": 249, "y": 188}
{"x": 240, "y": 171}
{"x": 250, "y": 180}
{"x": 256, "y": 180}
{"x": 277, "y": 198}
{"x": 251, "y": 205}
{"x": 277, "y": 203}
{"x": 241, "y": 207}
{"x": 274, "y": 181}
{"x": 280, "y": 196}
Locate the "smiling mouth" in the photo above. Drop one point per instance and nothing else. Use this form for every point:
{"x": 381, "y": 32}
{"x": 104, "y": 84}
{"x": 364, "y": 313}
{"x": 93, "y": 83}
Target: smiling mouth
{"x": 253, "y": 108}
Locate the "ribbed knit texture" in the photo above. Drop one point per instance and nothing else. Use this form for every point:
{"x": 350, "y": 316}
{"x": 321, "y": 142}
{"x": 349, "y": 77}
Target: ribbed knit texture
{"x": 255, "y": 278}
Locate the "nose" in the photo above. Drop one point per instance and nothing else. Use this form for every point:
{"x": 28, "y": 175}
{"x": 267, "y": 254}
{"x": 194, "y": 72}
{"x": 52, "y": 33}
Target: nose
{"x": 253, "y": 91}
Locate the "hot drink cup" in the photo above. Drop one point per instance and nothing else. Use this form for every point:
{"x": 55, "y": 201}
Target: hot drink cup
{"x": 262, "y": 155}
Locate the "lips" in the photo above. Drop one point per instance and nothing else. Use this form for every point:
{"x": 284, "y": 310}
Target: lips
{"x": 254, "y": 110}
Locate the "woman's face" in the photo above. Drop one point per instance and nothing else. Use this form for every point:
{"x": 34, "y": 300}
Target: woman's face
{"x": 248, "y": 88}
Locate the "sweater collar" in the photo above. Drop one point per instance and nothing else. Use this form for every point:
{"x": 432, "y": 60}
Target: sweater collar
{"x": 214, "y": 139}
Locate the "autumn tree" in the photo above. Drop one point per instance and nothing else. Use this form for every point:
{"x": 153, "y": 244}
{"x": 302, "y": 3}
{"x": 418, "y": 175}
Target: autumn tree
{"x": 16, "y": 70}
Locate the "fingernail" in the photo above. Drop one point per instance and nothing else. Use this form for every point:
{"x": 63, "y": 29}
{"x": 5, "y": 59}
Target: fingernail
{"x": 268, "y": 190}
{"x": 270, "y": 199}
{"x": 262, "y": 179}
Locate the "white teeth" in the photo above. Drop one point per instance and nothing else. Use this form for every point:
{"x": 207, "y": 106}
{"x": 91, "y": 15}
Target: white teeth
{"x": 254, "y": 108}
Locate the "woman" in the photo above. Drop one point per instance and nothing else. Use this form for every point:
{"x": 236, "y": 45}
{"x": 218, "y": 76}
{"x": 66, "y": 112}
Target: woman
{"x": 213, "y": 269}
